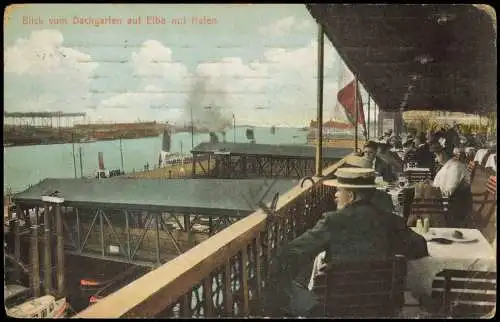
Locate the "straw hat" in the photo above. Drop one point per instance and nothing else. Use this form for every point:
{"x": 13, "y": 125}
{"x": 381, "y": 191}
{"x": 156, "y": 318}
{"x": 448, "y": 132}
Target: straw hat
{"x": 357, "y": 161}
{"x": 353, "y": 178}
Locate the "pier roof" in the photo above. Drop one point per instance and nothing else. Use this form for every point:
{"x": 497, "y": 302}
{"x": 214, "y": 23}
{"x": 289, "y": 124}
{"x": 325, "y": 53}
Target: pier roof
{"x": 217, "y": 197}
{"x": 417, "y": 56}
{"x": 292, "y": 151}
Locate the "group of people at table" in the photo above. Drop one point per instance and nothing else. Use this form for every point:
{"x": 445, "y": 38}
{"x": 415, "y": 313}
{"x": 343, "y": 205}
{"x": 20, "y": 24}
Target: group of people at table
{"x": 364, "y": 225}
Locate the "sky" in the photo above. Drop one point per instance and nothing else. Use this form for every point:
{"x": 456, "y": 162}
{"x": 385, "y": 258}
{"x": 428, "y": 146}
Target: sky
{"x": 256, "y": 61}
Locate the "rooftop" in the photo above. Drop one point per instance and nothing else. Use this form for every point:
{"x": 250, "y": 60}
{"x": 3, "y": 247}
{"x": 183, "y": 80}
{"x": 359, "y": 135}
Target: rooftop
{"x": 200, "y": 196}
{"x": 295, "y": 151}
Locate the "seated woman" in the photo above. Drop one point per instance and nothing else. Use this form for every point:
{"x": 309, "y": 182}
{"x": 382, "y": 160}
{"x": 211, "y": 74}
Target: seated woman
{"x": 357, "y": 230}
{"x": 454, "y": 181}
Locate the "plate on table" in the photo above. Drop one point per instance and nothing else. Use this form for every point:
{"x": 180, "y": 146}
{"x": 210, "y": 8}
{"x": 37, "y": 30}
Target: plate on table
{"x": 456, "y": 236}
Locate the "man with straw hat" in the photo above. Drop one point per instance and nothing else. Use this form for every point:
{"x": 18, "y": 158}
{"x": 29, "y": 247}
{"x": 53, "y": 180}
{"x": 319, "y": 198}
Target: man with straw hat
{"x": 357, "y": 230}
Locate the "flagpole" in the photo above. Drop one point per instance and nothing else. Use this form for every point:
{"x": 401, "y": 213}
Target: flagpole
{"x": 319, "y": 143}
{"x": 357, "y": 114}
{"x": 74, "y": 156}
{"x": 234, "y": 129}
{"x": 121, "y": 154}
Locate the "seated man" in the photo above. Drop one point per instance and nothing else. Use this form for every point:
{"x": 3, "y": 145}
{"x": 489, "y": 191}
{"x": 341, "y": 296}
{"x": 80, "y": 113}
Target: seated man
{"x": 453, "y": 179}
{"x": 357, "y": 230}
{"x": 381, "y": 166}
{"x": 410, "y": 151}
{"x": 379, "y": 197}
{"x": 425, "y": 158}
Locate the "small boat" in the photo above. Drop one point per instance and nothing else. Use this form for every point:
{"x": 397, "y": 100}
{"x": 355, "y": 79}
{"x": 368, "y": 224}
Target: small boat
{"x": 41, "y": 307}
{"x": 121, "y": 280}
{"x": 88, "y": 139}
{"x": 15, "y": 294}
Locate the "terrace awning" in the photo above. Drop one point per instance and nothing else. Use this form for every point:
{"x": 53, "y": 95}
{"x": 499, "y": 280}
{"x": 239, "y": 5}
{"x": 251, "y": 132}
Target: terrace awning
{"x": 426, "y": 57}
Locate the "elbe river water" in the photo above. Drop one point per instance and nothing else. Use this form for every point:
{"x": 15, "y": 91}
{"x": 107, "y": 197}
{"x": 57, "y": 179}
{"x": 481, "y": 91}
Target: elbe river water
{"x": 28, "y": 165}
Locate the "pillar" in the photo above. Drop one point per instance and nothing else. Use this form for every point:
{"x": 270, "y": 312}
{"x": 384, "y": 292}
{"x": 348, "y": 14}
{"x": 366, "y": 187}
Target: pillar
{"x": 35, "y": 262}
{"x": 47, "y": 279}
{"x": 60, "y": 250}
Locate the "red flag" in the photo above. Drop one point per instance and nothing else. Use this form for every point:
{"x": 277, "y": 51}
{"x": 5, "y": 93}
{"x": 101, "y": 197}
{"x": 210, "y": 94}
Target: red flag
{"x": 347, "y": 98}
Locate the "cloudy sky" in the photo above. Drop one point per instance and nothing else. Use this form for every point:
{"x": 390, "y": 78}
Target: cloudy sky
{"x": 256, "y": 61}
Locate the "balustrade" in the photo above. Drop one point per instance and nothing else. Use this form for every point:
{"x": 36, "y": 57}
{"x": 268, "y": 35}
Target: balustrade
{"x": 224, "y": 275}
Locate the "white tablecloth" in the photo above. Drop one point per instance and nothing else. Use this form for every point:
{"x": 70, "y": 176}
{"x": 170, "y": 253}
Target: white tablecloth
{"x": 417, "y": 169}
{"x": 490, "y": 163}
{"x": 465, "y": 256}
{"x": 480, "y": 155}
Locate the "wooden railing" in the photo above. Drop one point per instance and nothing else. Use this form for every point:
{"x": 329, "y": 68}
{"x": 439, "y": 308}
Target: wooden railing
{"x": 224, "y": 275}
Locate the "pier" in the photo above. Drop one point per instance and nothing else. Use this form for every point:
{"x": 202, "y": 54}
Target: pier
{"x": 141, "y": 222}
{"x": 251, "y": 160}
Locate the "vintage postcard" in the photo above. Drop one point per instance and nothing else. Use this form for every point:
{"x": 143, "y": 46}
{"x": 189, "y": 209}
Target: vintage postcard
{"x": 249, "y": 160}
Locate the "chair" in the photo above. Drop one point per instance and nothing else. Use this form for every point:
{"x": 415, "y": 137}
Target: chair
{"x": 465, "y": 294}
{"x": 362, "y": 289}
{"x": 410, "y": 160}
{"x": 434, "y": 209}
{"x": 484, "y": 204}
{"x": 418, "y": 176}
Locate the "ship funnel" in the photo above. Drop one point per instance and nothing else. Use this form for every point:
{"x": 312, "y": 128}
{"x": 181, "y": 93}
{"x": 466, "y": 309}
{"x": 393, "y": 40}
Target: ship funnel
{"x": 167, "y": 139}
{"x": 100, "y": 158}
{"x": 250, "y": 135}
{"x": 213, "y": 137}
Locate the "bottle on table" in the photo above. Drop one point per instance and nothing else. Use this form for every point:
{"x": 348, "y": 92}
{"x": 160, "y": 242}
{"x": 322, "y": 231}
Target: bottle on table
{"x": 419, "y": 226}
{"x": 426, "y": 225}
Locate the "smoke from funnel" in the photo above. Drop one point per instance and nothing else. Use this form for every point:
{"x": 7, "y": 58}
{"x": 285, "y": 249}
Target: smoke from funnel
{"x": 207, "y": 108}
{"x": 167, "y": 140}
{"x": 213, "y": 137}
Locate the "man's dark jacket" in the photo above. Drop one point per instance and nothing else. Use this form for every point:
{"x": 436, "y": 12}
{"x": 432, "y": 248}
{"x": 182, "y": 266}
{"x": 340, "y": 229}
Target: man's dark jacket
{"x": 384, "y": 169}
{"x": 363, "y": 230}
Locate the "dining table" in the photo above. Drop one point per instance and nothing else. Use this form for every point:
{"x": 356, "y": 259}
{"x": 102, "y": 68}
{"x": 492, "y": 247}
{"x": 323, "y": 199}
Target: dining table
{"x": 415, "y": 169}
{"x": 471, "y": 252}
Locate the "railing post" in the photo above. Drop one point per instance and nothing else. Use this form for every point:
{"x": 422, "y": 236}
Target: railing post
{"x": 368, "y": 130}
{"x": 319, "y": 143}
{"x": 356, "y": 98}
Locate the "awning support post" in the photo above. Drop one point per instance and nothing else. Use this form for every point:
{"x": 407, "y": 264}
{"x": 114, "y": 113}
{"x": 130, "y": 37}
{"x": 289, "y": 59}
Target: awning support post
{"x": 319, "y": 143}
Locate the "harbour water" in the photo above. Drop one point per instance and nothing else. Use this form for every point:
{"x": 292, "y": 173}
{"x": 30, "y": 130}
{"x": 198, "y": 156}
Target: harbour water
{"x": 28, "y": 165}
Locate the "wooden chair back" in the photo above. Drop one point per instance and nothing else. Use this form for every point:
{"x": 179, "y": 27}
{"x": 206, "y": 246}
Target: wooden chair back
{"x": 465, "y": 293}
{"x": 484, "y": 204}
{"x": 434, "y": 209}
{"x": 410, "y": 159}
{"x": 417, "y": 176}
{"x": 405, "y": 199}
{"x": 362, "y": 289}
